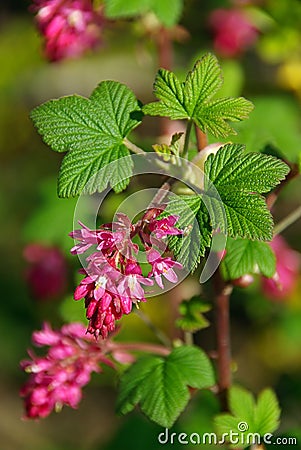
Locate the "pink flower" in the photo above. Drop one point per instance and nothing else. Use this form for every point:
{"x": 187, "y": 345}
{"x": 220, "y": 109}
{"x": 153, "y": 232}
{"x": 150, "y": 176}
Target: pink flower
{"x": 164, "y": 227}
{"x": 69, "y": 27}
{"x": 233, "y": 31}
{"x": 162, "y": 266}
{"x": 57, "y": 378}
{"x": 114, "y": 279}
{"x": 282, "y": 284}
{"x": 46, "y": 273}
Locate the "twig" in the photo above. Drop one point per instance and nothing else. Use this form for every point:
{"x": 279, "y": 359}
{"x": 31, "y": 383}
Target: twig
{"x": 201, "y": 138}
{"x": 287, "y": 221}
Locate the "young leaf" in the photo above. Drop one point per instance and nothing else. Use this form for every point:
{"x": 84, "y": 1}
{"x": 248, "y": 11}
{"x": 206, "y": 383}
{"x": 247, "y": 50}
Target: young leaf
{"x": 248, "y": 417}
{"x": 192, "y": 318}
{"x": 244, "y": 256}
{"x": 194, "y": 220}
{"x": 267, "y": 412}
{"x": 192, "y": 99}
{"x": 92, "y": 131}
{"x": 160, "y": 385}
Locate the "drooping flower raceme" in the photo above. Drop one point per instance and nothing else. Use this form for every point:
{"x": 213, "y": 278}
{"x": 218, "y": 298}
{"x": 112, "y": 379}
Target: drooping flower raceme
{"x": 114, "y": 279}
{"x": 69, "y": 27}
{"x": 57, "y": 378}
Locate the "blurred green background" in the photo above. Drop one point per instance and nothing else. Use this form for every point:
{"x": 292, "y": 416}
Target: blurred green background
{"x": 266, "y": 334}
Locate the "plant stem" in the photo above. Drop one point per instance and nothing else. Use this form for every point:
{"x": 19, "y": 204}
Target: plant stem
{"x": 133, "y": 147}
{"x": 287, "y": 221}
{"x": 160, "y": 335}
{"x": 222, "y": 296}
{"x": 187, "y": 137}
{"x": 201, "y": 138}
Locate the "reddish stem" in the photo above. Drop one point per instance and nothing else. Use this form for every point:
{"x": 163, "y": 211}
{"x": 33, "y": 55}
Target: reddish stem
{"x": 222, "y": 296}
{"x": 272, "y": 197}
{"x": 201, "y": 139}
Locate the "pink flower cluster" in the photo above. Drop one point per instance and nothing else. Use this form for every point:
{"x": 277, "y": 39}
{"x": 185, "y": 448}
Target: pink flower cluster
{"x": 57, "y": 378}
{"x": 69, "y": 27}
{"x": 233, "y": 31}
{"x": 282, "y": 284}
{"x": 114, "y": 279}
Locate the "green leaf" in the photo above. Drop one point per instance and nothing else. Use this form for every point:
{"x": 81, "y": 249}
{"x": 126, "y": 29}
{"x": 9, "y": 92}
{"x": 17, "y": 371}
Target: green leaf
{"x": 239, "y": 210}
{"x": 166, "y": 14}
{"x": 192, "y": 318}
{"x": 194, "y": 365}
{"x": 246, "y": 257}
{"x": 267, "y": 412}
{"x": 194, "y": 220}
{"x": 192, "y": 99}
{"x": 115, "y": 9}
{"x": 92, "y": 131}
{"x": 248, "y": 417}
{"x": 249, "y": 172}
{"x": 160, "y": 385}
{"x": 242, "y": 403}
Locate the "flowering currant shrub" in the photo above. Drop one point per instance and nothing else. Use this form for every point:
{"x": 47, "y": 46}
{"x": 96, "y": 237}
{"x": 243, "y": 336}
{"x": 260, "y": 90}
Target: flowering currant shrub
{"x": 219, "y": 192}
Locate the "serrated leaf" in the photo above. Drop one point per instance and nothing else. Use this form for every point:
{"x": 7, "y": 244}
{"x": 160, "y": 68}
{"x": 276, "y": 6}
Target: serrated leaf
{"x": 240, "y": 215}
{"x": 202, "y": 82}
{"x": 267, "y": 412}
{"x": 170, "y": 91}
{"x": 115, "y": 9}
{"x": 247, "y": 416}
{"x": 92, "y": 131}
{"x": 192, "y": 99}
{"x": 247, "y": 257}
{"x": 160, "y": 386}
{"x": 194, "y": 365}
{"x": 239, "y": 178}
{"x": 250, "y": 172}
{"x": 192, "y": 318}
{"x": 242, "y": 404}
{"x": 193, "y": 219}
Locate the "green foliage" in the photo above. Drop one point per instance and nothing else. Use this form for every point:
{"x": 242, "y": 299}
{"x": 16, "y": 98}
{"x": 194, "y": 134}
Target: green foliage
{"x": 166, "y": 152}
{"x": 166, "y": 14}
{"x": 160, "y": 385}
{"x": 194, "y": 220}
{"x": 193, "y": 99}
{"x": 192, "y": 318}
{"x": 239, "y": 179}
{"x": 261, "y": 417}
{"x": 92, "y": 131}
{"x": 244, "y": 256}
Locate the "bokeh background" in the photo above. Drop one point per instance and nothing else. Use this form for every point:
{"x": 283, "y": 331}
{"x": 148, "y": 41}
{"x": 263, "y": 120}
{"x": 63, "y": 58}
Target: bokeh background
{"x": 37, "y": 272}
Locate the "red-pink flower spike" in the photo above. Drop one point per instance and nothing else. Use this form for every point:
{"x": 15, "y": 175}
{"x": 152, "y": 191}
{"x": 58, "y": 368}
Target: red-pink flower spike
{"x": 288, "y": 261}
{"x": 233, "y": 31}
{"x": 57, "y": 378}
{"x": 69, "y": 27}
{"x": 114, "y": 279}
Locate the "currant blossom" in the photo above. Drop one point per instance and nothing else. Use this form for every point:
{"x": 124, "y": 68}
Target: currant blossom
{"x": 282, "y": 284}
{"x": 113, "y": 278}
{"x": 162, "y": 266}
{"x": 57, "y": 378}
{"x": 233, "y": 31}
{"x": 69, "y": 27}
